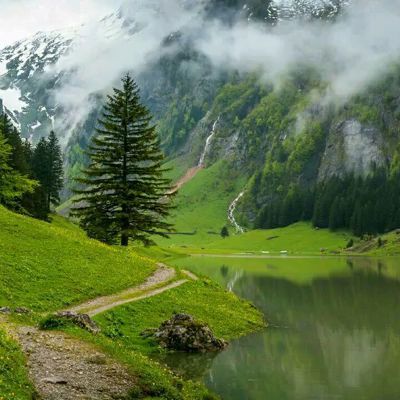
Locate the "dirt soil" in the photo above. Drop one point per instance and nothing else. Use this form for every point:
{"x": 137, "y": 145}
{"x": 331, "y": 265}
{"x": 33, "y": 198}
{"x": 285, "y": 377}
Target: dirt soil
{"x": 64, "y": 368}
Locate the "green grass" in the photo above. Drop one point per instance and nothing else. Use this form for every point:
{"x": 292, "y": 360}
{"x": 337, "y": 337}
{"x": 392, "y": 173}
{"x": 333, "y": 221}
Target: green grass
{"x": 202, "y": 205}
{"x": 14, "y": 382}
{"x": 46, "y": 267}
{"x": 227, "y": 315}
{"x": 49, "y": 266}
{"x": 297, "y": 239}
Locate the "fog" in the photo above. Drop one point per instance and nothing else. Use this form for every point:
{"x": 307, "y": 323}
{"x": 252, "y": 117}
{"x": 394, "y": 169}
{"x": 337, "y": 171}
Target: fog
{"x": 349, "y": 52}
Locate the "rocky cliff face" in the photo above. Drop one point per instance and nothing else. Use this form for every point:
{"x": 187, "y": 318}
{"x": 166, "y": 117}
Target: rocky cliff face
{"x": 352, "y": 147}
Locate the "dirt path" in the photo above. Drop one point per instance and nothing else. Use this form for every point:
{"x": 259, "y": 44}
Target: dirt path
{"x": 64, "y": 368}
{"x": 154, "y": 285}
{"x": 100, "y": 304}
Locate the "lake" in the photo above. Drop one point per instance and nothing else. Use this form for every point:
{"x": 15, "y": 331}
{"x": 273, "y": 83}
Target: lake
{"x": 334, "y": 329}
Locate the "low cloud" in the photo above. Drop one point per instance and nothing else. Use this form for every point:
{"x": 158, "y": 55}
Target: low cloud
{"x": 349, "y": 52}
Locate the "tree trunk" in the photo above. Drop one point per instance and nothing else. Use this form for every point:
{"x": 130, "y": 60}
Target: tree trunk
{"x": 124, "y": 240}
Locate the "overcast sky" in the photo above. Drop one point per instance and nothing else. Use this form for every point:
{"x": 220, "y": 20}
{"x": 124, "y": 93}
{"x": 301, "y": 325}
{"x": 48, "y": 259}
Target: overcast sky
{"x": 22, "y": 18}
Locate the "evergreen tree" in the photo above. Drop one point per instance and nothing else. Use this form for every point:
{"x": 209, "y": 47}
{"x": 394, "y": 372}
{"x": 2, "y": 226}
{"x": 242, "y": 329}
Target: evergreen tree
{"x": 48, "y": 169}
{"x": 18, "y": 157}
{"x": 12, "y": 184}
{"x": 55, "y": 169}
{"x": 125, "y": 195}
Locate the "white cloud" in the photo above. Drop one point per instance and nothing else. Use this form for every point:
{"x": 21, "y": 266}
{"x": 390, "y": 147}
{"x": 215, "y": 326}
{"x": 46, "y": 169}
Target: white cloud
{"x": 23, "y": 18}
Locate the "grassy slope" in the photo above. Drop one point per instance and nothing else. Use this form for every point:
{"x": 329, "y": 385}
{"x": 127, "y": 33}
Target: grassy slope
{"x": 202, "y": 205}
{"x": 14, "y": 382}
{"x": 389, "y": 245}
{"x": 49, "y": 266}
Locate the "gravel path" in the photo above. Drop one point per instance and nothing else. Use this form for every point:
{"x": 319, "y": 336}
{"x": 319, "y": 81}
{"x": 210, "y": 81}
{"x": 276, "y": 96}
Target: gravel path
{"x": 64, "y": 368}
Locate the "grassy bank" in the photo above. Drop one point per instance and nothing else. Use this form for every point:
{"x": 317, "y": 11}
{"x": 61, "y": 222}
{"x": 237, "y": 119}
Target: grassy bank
{"x": 46, "y": 267}
{"x": 14, "y": 382}
{"x": 227, "y": 315}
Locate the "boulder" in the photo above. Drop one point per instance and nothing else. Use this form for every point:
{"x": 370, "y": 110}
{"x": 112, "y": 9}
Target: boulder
{"x": 81, "y": 320}
{"x": 22, "y": 310}
{"x": 183, "y": 333}
{"x": 5, "y": 310}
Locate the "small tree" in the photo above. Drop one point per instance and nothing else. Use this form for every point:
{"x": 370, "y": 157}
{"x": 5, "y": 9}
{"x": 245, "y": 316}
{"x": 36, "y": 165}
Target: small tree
{"x": 126, "y": 195}
{"x": 224, "y": 232}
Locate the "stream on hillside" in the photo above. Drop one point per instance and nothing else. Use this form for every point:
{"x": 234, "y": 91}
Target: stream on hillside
{"x": 334, "y": 330}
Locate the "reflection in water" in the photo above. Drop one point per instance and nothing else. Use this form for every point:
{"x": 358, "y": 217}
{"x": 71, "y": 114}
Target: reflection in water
{"x": 342, "y": 339}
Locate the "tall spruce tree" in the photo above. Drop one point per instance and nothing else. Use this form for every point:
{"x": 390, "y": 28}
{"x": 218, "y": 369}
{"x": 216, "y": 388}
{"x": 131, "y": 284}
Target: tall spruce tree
{"x": 125, "y": 195}
{"x": 47, "y": 167}
{"x": 55, "y": 181}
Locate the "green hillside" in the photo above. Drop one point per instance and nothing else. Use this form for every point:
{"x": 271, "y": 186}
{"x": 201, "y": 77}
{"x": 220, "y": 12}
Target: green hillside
{"x": 202, "y": 205}
{"x": 49, "y": 266}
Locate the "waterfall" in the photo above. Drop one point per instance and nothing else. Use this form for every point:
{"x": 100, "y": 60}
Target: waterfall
{"x": 231, "y": 213}
{"x": 208, "y": 143}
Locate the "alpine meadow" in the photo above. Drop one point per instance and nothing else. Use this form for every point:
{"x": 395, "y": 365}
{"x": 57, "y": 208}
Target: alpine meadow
{"x": 199, "y": 199}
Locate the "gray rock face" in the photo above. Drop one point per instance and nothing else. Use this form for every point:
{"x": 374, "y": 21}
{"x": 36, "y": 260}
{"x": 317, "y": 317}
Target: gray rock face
{"x": 183, "y": 333}
{"x": 81, "y": 320}
{"x": 352, "y": 148}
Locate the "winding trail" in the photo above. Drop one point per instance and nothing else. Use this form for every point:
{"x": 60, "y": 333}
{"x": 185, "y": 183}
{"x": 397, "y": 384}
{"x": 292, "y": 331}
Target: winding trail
{"x": 62, "y": 367}
{"x": 161, "y": 281}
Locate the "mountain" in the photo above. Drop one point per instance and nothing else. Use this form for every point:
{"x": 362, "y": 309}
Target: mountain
{"x": 289, "y": 149}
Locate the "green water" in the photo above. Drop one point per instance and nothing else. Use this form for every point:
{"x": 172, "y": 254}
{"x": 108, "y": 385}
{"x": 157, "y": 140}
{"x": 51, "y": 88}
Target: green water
{"x": 334, "y": 330}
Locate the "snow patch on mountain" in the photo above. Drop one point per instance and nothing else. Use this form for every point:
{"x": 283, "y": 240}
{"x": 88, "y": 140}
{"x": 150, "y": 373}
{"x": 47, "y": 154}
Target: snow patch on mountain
{"x": 12, "y": 99}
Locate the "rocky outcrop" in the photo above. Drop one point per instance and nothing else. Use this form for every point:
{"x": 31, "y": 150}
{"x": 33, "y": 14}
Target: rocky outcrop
{"x": 352, "y": 147}
{"x": 81, "y": 320}
{"x": 183, "y": 333}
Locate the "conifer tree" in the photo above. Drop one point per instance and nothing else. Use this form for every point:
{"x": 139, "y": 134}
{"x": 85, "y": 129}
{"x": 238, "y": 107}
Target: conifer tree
{"x": 48, "y": 168}
{"x": 125, "y": 195}
{"x": 55, "y": 169}
{"x": 12, "y": 184}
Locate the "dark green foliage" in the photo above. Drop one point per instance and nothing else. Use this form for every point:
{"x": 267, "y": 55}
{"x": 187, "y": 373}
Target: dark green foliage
{"x": 48, "y": 169}
{"x": 53, "y": 322}
{"x": 364, "y": 205}
{"x": 350, "y": 244}
{"x": 125, "y": 195}
{"x": 33, "y": 177}
{"x": 13, "y": 184}
{"x": 224, "y": 232}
